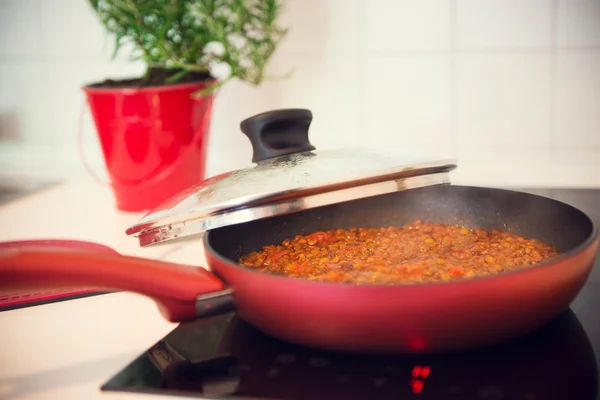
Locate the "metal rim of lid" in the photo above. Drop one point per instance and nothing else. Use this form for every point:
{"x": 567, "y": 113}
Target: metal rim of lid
{"x": 297, "y": 192}
{"x": 166, "y": 230}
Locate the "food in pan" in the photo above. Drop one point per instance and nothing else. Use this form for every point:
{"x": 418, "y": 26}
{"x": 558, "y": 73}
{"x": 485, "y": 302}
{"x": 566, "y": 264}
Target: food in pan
{"x": 413, "y": 253}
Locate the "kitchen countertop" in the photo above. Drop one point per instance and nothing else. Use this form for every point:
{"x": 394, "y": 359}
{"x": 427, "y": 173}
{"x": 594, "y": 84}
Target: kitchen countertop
{"x": 67, "y": 350}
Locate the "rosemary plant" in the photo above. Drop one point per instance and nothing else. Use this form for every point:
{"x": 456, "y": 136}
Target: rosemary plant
{"x": 182, "y": 40}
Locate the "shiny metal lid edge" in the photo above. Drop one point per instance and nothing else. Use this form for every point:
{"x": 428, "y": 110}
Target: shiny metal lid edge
{"x": 181, "y": 229}
{"x": 155, "y": 220}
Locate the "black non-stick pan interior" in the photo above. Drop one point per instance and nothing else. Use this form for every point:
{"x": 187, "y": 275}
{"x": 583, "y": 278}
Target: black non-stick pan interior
{"x": 532, "y": 216}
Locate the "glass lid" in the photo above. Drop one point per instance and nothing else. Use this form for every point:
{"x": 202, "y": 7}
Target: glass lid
{"x": 289, "y": 175}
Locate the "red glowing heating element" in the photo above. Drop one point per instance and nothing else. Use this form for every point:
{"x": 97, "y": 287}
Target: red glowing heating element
{"x": 416, "y": 385}
{"x": 422, "y": 372}
{"x": 419, "y": 372}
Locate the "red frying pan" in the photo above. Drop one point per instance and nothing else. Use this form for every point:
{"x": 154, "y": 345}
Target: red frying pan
{"x": 428, "y": 317}
{"x": 294, "y": 189}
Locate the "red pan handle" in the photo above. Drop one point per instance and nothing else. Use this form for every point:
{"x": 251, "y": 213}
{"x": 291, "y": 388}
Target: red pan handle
{"x": 174, "y": 287}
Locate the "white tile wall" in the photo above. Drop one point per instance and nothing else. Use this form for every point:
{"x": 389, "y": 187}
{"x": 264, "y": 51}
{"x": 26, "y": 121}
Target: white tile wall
{"x": 488, "y": 24}
{"x": 579, "y": 23}
{"x": 69, "y": 30}
{"x": 322, "y": 27}
{"x": 24, "y": 102}
{"x": 20, "y": 28}
{"x": 404, "y": 25}
{"x": 509, "y": 87}
{"x": 416, "y": 115}
{"x": 577, "y": 105}
{"x": 503, "y": 100}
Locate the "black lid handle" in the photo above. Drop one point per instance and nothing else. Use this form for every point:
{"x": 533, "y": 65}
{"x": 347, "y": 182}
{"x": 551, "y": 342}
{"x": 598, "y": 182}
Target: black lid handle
{"x": 278, "y": 132}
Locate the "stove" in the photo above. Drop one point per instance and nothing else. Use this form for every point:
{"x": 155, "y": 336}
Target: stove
{"x": 224, "y": 357}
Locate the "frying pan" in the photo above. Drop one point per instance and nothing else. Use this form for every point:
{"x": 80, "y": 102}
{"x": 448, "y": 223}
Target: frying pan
{"x": 417, "y": 318}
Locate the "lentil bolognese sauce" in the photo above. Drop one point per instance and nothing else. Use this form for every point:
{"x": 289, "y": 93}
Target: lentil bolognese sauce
{"x": 413, "y": 253}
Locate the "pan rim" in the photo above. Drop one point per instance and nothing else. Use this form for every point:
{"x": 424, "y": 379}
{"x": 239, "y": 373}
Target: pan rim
{"x": 593, "y": 236}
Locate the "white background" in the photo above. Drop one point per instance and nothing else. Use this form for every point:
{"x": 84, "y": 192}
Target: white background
{"x": 511, "y": 88}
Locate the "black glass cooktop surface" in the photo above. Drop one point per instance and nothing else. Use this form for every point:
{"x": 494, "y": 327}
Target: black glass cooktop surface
{"x": 224, "y": 357}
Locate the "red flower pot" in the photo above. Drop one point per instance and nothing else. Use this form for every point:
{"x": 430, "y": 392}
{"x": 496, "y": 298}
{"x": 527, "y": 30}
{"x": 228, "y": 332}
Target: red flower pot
{"x": 153, "y": 139}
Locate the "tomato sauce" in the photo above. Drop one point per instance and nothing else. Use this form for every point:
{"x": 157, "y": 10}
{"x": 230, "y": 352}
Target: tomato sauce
{"x": 413, "y": 253}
